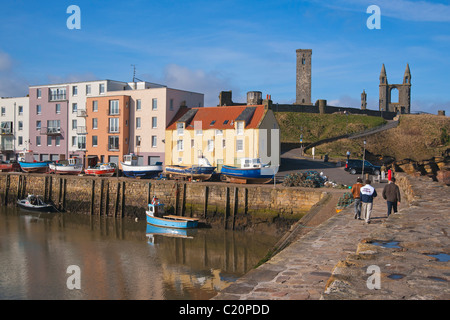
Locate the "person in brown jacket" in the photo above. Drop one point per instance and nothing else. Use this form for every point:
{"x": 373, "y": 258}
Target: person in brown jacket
{"x": 391, "y": 193}
{"x": 356, "y": 195}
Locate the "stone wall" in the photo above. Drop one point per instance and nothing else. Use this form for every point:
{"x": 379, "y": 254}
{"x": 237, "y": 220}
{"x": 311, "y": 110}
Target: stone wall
{"x": 233, "y": 206}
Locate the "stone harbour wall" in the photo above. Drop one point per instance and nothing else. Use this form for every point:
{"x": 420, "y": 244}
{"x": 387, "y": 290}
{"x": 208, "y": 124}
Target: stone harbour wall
{"x": 233, "y": 206}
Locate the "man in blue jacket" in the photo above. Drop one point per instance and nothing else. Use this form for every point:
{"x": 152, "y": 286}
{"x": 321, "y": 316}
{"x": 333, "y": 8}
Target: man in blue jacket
{"x": 367, "y": 193}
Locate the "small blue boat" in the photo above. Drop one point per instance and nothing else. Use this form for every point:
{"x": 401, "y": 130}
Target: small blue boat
{"x": 28, "y": 164}
{"x": 156, "y": 216}
{"x": 203, "y": 171}
{"x": 250, "y": 171}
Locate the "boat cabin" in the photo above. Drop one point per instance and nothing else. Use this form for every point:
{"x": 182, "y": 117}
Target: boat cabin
{"x": 130, "y": 159}
{"x": 26, "y": 156}
{"x": 203, "y": 162}
{"x": 251, "y": 163}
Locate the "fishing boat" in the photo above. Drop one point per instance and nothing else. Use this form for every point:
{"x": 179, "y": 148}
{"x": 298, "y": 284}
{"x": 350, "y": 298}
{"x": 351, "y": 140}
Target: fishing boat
{"x": 101, "y": 170}
{"x": 70, "y": 166}
{"x": 9, "y": 166}
{"x": 35, "y": 203}
{"x": 153, "y": 231}
{"x": 29, "y": 164}
{"x": 132, "y": 169}
{"x": 156, "y": 216}
{"x": 250, "y": 171}
{"x": 203, "y": 171}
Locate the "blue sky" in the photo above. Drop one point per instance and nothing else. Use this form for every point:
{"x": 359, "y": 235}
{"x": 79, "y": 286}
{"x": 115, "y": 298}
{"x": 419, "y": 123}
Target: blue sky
{"x": 210, "y": 46}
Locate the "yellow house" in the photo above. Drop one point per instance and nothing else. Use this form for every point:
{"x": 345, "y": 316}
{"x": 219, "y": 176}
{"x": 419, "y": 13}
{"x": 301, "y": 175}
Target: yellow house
{"x": 223, "y": 135}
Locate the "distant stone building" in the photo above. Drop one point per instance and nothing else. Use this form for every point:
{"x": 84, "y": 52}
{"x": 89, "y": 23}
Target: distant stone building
{"x": 303, "y": 94}
{"x": 364, "y": 100}
{"x": 404, "y": 93}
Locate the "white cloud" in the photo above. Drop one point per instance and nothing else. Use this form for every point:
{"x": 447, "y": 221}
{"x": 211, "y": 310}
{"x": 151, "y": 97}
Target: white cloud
{"x": 209, "y": 83}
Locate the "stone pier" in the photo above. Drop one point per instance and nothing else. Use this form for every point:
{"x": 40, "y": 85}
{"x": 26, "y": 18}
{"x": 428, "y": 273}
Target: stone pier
{"x": 404, "y": 256}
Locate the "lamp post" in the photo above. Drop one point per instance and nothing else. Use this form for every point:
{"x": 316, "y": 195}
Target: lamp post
{"x": 364, "y": 157}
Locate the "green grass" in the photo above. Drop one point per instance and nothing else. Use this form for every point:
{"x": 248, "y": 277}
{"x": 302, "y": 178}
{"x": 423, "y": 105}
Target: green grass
{"x": 316, "y": 126}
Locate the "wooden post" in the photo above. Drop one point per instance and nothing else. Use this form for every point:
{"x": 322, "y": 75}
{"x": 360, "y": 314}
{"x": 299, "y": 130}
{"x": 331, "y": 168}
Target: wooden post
{"x": 116, "y": 204}
{"x": 245, "y": 201}
{"x": 45, "y": 188}
{"x": 149, "y": 193}
{"x": 107, "y": 198}
{"x": 92, "y": 196}
{"x": 235, "y": 206}
{"x": 50, "y": 188}
{"x": 205, "y": 205}
{"x": 60, "y": 192}
{"x": 24, "y": 186}
{"x": 227, "y": 207}
{"x": 64, "y": 195}
{"x": 183, "y": 202}
{"x": 102, "y": 185}
{"x": 123, "y": 199}
{"x": 19, "y": 184}
{"x": 7, "y": 182}
{"x": 176, "y": 198}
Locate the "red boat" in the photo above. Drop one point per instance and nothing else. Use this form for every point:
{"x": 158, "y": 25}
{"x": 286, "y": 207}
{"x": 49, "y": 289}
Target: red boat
{"x": 101, "y": 170}
{"x": 9, "y": 167}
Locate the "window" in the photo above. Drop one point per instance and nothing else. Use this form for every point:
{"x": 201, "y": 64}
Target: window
{"x": 58, "y": 141}
{"x": 114, "y": 107}
{"x": 180, "y": 128}
{"x": 81, "y": 142}
{"x": 53, "y": 125}
{"x": 180, "y": 145}
{"x": 224, "y": 143}
{"x": 240, "y": 128}
{"x": 39, "y": 93}
{"x": 58, "y": 108}
{"x": 138, "y": 123}
{"x": 74, "y": 107}
{"x": 38, "y": 140}
{"x": 94, "y": 106}
{"x": 38, "y": 125}
{"x": 113, "y": 143}
{"x": 239, "y": 145}
{"x": 20, "y": 110}
{"x": 192, "y": 143}
{"x": 154, "y": 122}
{"x": 20, "y": 140}
{"x": 74, "y": 141}
{"x": 49, "y": 140}
{"x": 210, "y": 145}
{"x": 74, "y": 91}
{"x": 153, "y": 160}
{"x": 303, "y": 61}
{"x": 94, "y": 141}
{"x": 101, "y": 88}
{"x": 114, "y": 125}
{"x": 94, "y": 123}
{"x": 74, "y": 124}
{"x": 154, "y": 141}
{"x": 171, "y": 105}
{"x": 154, "y": 104}
{"x": 38, "y": 109}
{"x": 138, "y": 105}
{"x": 57, "y": 94}
{"x": 3, "y": 111}
{"x": 20, "y": 125}
{"x": 138, "y": 141}
{"x": 88, "y": 89}
{"x": 219, "y": 132}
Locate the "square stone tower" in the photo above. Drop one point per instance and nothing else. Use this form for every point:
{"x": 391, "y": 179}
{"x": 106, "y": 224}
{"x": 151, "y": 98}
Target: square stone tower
{"x": 303, "y": 95}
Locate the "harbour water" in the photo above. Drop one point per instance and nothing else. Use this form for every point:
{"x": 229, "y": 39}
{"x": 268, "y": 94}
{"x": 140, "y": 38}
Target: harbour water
{"x": 46, "y": 255}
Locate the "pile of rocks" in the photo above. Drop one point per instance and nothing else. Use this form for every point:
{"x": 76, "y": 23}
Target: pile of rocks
{"x": 438, "y": 168}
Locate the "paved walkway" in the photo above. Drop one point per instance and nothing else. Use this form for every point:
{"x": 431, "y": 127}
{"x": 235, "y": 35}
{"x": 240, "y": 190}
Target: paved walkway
{"x": 332, "y": 260}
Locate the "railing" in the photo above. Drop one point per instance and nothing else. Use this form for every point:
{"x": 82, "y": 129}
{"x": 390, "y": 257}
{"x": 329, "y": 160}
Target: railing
{"x": 81, "y": 130}
{"x": 81, "y": 113}
{"x": 51, "y": 131}
{"x": 113, "y": 147}
{"x": 6, "y": 131}
{"x": 113, "y": 130}
{"x": 7, "y": 147}
{"x": 57, "y": 97}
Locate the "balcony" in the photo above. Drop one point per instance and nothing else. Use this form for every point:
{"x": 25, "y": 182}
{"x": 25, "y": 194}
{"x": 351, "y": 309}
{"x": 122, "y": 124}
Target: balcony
{"x": 113, "y": 130}
{"x": 57, "y": 97}
{"x": 6, "y": 131}
{"x": 113, "y": 147}
{"x": 51, "y": 131}
{"x": 81, "y": 113}
{"x": 81, "y": 130}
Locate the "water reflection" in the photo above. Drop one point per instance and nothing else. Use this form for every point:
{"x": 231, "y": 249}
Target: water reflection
{"x": 119, "y": 259}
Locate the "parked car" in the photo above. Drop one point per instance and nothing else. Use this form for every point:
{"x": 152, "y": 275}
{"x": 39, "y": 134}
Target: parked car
{"x": 355, "y": 166}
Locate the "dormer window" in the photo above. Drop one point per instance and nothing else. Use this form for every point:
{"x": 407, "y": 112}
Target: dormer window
{"x": 180, "y": 128}
{"x": 240, "y": 128}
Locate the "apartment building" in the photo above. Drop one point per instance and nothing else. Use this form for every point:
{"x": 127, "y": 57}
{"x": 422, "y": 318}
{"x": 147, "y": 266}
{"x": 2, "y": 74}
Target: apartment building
{"x": 14, "y": 121}
{"x": 57, "y": 117}
{"x": 141, "y": 125}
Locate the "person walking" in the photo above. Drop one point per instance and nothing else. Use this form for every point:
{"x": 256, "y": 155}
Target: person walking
{"x": 391, "y": 193}
{"x": 367, "y": 194}
{"x": 383, "y": 172}
{"x": 356, "y": 190}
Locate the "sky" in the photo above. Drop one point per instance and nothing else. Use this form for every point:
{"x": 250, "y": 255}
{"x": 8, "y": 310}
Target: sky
{"x": 212, "y": 46}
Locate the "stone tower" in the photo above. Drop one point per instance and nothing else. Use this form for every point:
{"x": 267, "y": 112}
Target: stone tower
{"x": 303, "y": 94}
{"x": 404, "y": 93}
{"x": 364, "y": 100}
